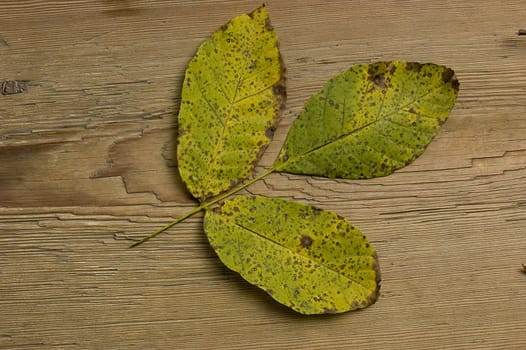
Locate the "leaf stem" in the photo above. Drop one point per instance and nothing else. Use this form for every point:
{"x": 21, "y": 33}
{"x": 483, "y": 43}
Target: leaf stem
{"x": 202, "y": 206}
{"x": 166, "y": 227}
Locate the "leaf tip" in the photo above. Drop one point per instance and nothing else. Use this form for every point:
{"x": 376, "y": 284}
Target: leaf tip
{"x": 261, "y": 9}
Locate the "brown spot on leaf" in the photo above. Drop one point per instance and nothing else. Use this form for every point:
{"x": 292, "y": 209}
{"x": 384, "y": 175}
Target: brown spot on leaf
{"x": 270, "y": 131}
{"x": 268, "y": 25}
{"x": 414, "y": 66}
{"x": 373, "y": 69}
{"x": 447, "y": 75}
{"x": 234, "y": 182}
{"x": 455, "y": 83}
{"x": 327, "y": 310}
{"x": 379, "y": 80}
{"x": 305, "y": 241}
{"x": 279, "y": 89}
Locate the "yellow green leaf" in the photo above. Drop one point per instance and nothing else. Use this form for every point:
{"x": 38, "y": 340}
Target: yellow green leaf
{"x": 232, "y": 93}
{"x": 308, "y": 259}
{"x": 370, "y": 120}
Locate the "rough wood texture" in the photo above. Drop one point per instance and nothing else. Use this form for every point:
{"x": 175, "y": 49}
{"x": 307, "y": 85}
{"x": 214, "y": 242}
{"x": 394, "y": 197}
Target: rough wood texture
{"x": 86, "y": 161}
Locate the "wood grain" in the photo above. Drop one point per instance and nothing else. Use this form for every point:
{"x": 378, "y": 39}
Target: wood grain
{"x": 87, "y": 162}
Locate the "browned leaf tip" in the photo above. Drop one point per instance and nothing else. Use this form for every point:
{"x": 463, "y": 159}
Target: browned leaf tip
{"x": 521, "y": 32}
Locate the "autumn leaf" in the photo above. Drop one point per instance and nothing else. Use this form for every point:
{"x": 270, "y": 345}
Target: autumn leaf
{"x": 233, "y": 91}
{"x": 370, "y": 120}
{"x": 366, "y": 122}
{"x": 308, "y": 259}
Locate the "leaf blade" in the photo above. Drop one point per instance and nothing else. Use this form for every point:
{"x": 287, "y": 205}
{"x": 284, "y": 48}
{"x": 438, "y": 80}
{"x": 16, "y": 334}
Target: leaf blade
{"x": 308, "y": 259}
{"x": 233, "y": 92}
{"x": 370, "y": 120}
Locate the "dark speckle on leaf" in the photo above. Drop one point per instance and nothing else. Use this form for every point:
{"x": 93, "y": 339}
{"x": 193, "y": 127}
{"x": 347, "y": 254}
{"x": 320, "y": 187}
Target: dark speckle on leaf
{"x": 305, "y": 241}
{"x": 270, "y": 131}
{"x": 447, "y": 75}
{"x": 278, "y": 89}
{"x": 379, "y": 80}
{"x": 268, "y": 25}
{"x": 454, "y": 83}
{"x": 414, "y": 66}
{"x": 329, "y": 311}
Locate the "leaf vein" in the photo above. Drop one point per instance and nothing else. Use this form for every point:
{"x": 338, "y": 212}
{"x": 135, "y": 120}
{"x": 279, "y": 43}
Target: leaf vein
{"x": 302, "y": 255}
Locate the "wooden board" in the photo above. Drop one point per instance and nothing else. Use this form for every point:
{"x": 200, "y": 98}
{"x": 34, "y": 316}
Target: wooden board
{"x": 86, "y": 154}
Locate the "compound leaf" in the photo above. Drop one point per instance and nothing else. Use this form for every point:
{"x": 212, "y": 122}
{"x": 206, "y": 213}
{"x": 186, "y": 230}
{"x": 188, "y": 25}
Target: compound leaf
{"x": 232, "y": 94}
{"x": 308, "y": 259}
{"x": 370, "y": 120}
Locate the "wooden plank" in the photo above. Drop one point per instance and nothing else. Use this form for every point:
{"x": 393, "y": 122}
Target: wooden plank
{"x": 87, "y": 160}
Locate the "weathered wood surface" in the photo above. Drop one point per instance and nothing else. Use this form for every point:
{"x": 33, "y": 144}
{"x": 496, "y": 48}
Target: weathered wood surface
{"x": 86, "y": 161}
